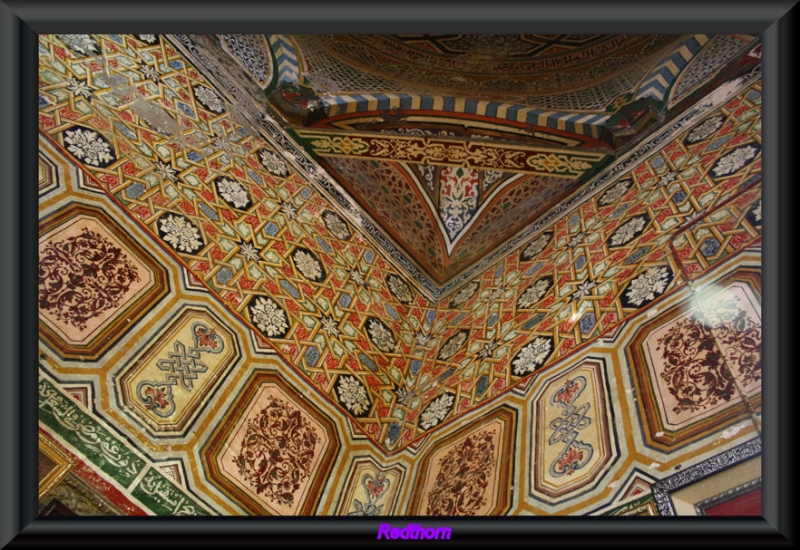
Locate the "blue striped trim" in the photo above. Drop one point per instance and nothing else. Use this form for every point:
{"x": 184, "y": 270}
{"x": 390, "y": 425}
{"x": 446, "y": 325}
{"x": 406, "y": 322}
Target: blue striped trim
{"x": 656, "y": 84}
{"x": 285, "y": 58}
{"x": 491, "y": 109}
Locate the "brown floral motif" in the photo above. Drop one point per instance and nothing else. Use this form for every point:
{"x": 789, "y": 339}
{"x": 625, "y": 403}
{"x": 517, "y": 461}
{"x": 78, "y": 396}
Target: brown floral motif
{"x": 697, "y": 372}
{"x": 277, "y": 451}
{"x": 740, "y": 339}
{"x": 81, "y": 277}
{"x": 464, "y": 474}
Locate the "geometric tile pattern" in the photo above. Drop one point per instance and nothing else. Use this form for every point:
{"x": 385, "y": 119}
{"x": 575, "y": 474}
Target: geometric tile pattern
{"x": 242, "y": 231}
{"x": 713, "y": 236}
{"x": 277, "y": 254}
{"x": 481, "y": 365}
{"x": 454, "y": 124}
{"x": 588, "y": 271}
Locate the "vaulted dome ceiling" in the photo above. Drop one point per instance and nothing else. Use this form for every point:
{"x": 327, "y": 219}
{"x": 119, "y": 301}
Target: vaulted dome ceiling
{"x": 523, "y": 69}
{"x": 455, "y": 144}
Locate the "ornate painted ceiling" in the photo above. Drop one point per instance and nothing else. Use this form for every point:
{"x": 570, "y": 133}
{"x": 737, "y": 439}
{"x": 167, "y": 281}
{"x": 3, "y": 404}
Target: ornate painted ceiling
{"x": 352, "y": 275}
{"x": 454, "y": 144}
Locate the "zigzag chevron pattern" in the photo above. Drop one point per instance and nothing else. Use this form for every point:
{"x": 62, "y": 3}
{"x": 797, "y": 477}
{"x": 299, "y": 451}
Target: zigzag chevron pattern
{"x": 658, "y": 82}
{"x": 286, "y": 57}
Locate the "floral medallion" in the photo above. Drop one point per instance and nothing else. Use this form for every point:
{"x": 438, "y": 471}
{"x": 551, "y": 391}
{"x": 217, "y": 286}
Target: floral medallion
{"x": 208, "y": 98}
{"x": 89, "y": 147}
{"x": 647, "y": 286}
{"x": 462, "y": 296}
{"x": 308, "y": 265}
{"x": 83, "y": 276}
{"x": 277, "y": 451}
{"x": 704, "y": 129}
{"x": 336, "y": 225}
{"x": 537, "y": 245}
{"x": 274, "y": 164}
{"x": 698, "y": 350}
{"x": 353, "y": 395}
{"x": 380, "y": 335}
{"x": 736, "y": 160}
{"x": 534, "y": 293}
{"x": 233, "y": 192}
{"x": 79, "y": 43}
{"x": 453, "y": 344}
{"x": 463, "y": 479}
{"x": 268, "y": 317}
{"x": 616, "y": 192}
{"x": 399, "y": 289}
{"x": 180, "y": 233}
{"x": 533, "y": 356}
{"x": 436, "y": 411}
{"x": 628, "y": 231}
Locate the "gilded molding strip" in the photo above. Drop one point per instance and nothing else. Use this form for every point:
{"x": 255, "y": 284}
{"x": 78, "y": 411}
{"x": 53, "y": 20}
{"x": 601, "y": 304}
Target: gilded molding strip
{"x": 62, "y": 465}
{"x": 448, "y": 152}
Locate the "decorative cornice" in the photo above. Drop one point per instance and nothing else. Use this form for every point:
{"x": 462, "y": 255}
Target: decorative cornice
{"x": 453, "y": 152}
{"x": 662, "y": 489}
{"x": 271, "y": 130}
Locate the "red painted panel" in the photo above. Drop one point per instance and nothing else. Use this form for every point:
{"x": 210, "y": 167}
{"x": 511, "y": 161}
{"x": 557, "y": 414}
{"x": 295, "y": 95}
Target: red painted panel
{"x": 748, "y": 504}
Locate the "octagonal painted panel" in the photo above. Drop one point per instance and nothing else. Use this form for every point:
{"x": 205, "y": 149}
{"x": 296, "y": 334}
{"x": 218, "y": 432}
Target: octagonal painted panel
{"x": 469, "y": 473}
{"x": 273, "y": 450}
{"x": 167, "y": 386}
{"x": 573, "y": 433}
{"x": 95, "y": 282}
{"x": 697, "y": 366}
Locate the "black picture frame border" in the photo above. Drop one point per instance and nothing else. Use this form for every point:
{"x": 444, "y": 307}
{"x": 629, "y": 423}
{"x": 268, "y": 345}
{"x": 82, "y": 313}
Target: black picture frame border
{"x": 21, "y": 20}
